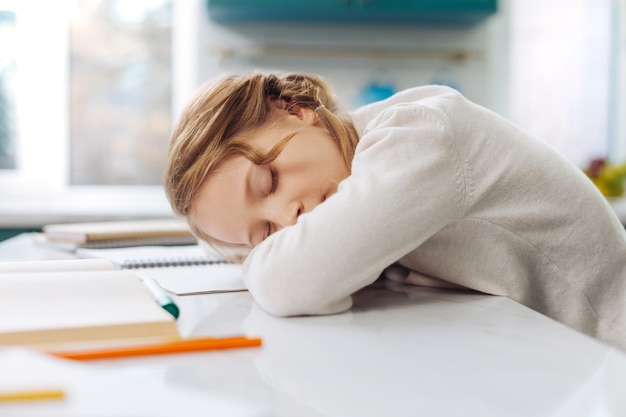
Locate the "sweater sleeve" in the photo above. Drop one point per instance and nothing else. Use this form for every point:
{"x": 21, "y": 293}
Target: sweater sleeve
{"x": 407, "y": 183}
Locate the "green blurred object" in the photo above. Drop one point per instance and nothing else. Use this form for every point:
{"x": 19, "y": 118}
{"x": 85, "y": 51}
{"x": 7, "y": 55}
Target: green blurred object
{"x": 12, "y": 232}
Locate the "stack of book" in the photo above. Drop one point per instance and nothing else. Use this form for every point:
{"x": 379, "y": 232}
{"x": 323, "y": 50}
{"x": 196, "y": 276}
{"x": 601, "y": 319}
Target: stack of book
{"x": 162, "y": 232}
{"x": 116, "y": 290}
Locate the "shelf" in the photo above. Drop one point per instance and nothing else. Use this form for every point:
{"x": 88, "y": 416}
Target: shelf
{"x": 345, "y": 52}
{"x": 454, "y": 12}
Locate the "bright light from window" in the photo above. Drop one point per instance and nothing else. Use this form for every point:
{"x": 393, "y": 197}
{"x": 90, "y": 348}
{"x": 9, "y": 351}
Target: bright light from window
{"x": 7, "y": 90}
{"x": 120, "y": 80}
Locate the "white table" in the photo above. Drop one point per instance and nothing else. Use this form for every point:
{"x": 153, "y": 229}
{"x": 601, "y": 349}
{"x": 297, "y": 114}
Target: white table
{"x": 403, "y": 351}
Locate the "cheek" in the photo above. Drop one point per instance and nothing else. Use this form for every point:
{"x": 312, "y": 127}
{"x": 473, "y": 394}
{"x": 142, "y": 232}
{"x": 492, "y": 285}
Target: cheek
{"x": 221, "y": 225}
{"x": 218, "y": 212}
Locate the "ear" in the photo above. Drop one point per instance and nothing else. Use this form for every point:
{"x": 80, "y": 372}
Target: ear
{"x": 305, "y": 114}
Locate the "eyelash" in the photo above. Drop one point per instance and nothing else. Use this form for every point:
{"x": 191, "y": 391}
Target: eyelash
{"x": 273, "y": 186}
{"x": 268, "y": 232}
{"x": 274, "y": 181}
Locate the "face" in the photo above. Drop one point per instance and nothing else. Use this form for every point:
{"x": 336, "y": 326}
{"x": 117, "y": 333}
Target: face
{"x": 242, "y": 203}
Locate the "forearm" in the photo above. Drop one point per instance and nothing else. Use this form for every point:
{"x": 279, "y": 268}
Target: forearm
{"x": 406, "y": 185}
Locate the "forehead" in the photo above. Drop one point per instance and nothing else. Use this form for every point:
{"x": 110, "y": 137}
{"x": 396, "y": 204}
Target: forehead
{"x": 264, "y": 136}
{"x": 219, "y": 207}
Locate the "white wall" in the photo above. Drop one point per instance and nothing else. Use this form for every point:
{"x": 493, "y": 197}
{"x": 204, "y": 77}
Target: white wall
{"x": 619, "y": 142}
{"x": 400, "y": 54}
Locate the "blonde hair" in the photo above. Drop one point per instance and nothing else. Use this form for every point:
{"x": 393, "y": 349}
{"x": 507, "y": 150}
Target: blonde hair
{"x": 227, "y": 106}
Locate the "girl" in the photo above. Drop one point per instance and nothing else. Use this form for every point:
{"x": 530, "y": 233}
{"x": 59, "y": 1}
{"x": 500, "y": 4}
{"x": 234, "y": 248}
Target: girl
{"x": 424, "y": 187}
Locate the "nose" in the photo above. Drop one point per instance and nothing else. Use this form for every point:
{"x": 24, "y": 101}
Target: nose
{"x": 283, "y": 214}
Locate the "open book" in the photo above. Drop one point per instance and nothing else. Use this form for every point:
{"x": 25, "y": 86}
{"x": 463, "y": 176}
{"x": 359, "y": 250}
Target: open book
{"x": 71, "y": 301}
{"x": 118, "y": 234}
{"x": 180, "y": 270}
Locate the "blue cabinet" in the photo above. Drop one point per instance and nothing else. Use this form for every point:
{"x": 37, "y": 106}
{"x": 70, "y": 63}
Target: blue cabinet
{"x": 365, "y": 11}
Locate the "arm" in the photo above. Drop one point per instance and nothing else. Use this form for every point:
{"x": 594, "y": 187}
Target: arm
{"x": 406, "y": 184}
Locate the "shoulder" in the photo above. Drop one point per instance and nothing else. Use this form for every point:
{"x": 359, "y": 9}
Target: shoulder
{"x": 412, "y": 120}
{"x": 431, "y": 102}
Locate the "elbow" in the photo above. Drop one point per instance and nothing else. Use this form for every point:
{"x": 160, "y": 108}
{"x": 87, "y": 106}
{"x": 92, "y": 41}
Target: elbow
{"x": 285, "y": 292}
{"x": 285, "y": 301}
{"x": 286, "y": 305}
{"x": 278, "y": 308}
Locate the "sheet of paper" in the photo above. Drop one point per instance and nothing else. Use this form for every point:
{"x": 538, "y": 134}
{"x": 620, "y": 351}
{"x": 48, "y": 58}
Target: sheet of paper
{"x": 185, "y": 274}
{"x": 198, "y": 279}
{"x": 61, "y": 265}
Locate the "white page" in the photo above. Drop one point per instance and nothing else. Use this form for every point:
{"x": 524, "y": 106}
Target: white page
{"x": 196, "y": 279}
{"x": 61, "y": 265}
{"x": 77, "y": 306}
{"x": 180, "y": 280}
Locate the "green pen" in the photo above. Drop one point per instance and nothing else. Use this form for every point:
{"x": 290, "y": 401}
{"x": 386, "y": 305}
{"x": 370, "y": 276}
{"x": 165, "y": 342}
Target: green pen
{"x": 161, "y": 297}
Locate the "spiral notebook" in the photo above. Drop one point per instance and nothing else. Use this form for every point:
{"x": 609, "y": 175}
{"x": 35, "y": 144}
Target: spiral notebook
{"x": 180, "y": 270}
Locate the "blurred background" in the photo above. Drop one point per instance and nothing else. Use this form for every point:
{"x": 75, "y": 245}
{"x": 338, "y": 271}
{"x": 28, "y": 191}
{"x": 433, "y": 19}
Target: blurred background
{"x": 90, "y": 89}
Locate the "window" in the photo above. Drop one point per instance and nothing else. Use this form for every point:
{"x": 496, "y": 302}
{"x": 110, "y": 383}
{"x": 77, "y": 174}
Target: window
{"x": 7, "y": 93}
{"x": 120, "y": 89}
{"x": 91, "y": 111}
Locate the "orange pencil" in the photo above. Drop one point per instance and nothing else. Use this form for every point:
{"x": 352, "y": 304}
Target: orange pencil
{"x": 187, "y": 345}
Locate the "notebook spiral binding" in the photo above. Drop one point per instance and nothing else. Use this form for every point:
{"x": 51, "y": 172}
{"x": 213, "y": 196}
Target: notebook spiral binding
{"x": 174, "y": 262}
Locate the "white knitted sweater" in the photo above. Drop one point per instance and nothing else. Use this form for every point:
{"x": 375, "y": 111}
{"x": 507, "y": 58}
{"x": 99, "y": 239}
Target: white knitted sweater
{"x": 447, "y": 189}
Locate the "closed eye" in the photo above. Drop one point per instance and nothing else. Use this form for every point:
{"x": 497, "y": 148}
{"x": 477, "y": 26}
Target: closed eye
{"x": 274, "y": 181}
{"x": 269, "y": 230}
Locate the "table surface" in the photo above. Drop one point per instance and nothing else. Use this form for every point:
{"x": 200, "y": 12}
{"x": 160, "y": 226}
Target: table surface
{"x": 400, "y": 351}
